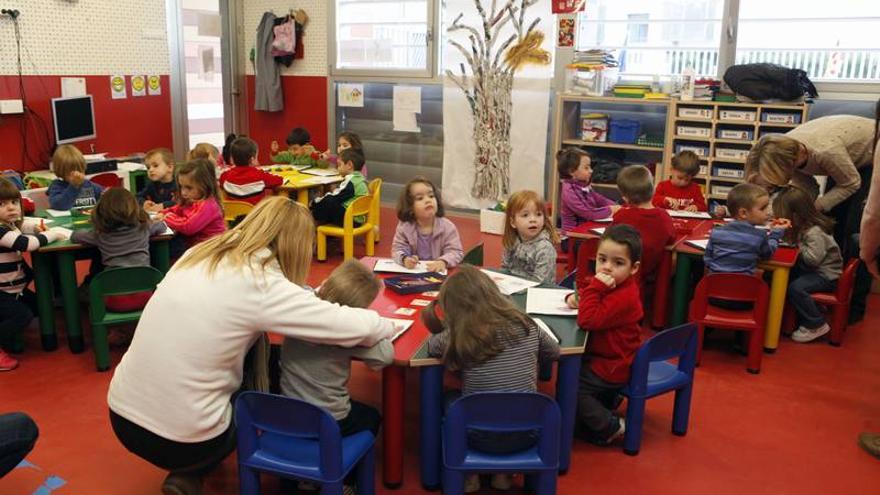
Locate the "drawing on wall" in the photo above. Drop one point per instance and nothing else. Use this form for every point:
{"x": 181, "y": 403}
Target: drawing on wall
{"x": 154, "y": 85}
{"x": 565, "y": 37}
{"x": 117, "y": 87}
{"x": 138, "y": 86}
{"x": 487, "y": 84}
{"x": 350, "y": 95}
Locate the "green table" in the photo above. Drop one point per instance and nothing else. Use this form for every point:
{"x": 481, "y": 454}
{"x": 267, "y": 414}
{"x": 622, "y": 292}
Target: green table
{"x": 64, "y": 255}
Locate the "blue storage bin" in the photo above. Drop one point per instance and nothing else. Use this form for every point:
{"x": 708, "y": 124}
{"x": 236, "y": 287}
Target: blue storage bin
{"x": 624, "y": 131}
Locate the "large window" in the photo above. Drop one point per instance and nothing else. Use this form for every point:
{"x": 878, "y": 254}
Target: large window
{"x": 833, "y": 41}
{"x": 384, "y": 36}
{"x": 655, "y": 37}
{"x": 830, "y": 40}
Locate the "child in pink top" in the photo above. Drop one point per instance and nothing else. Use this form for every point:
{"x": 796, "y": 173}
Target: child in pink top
{"x": 197, "y": 215}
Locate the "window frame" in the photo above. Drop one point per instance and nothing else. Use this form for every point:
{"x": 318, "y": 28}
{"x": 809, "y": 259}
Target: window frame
{"x": 850, "y": 90}
{"x": 430, "y": 72}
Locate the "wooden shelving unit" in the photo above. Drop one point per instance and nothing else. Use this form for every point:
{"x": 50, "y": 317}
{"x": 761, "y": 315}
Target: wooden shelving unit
{"x": 567, "y": 133}
{"x": 723, "y": 172}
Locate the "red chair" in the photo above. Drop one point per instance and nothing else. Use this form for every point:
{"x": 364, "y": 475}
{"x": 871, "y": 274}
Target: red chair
{"x": 586, "y": 253}
{"x": 107, "y": 180}
{"x": 837, "y": 302}
{"x": 732, "y": 287}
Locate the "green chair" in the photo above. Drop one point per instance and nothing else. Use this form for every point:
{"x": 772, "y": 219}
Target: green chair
{"x": 115, "y": 282}
{"x": 474, "y": 256}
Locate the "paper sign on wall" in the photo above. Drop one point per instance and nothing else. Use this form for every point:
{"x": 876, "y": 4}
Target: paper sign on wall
{"x": 117, "y": 87}
{"x": 407, "y": 103}
{"x": 73, "y": 86}
{"x": 154, "y": 85}
{"x": 138, "y": 86}
{"x": 350, "y": 95}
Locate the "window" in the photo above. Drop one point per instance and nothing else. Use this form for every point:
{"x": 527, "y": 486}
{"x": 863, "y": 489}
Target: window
{"x": 832, "y": 41}
{"x": 384, "y": 37}
{"x": 655, "y": 37}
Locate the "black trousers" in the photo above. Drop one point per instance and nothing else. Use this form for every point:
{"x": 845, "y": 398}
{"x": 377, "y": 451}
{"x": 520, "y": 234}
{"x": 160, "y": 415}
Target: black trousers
{"x": 595, "y": 399}
{"x": 361, "y": 417}
{"x": 328, "y": 211}
{"x": 177, "y": 457}
{"x": 16, "y": 313}
{"x": 18, "y": 434}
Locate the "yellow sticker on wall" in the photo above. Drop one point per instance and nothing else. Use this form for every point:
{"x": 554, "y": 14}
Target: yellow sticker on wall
{"x": 154, "y": 85}
{"x": 117, "y": 87}
{"x": 138, "y": 86}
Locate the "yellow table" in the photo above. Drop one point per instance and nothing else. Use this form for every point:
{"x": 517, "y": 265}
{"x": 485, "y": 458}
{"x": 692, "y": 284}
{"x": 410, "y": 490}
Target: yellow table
{"x": 299, "y": 182}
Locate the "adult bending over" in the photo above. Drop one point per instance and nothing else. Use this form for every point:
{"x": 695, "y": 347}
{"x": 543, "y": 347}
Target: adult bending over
{"x": 837, "y": 146}
{"x": 170, "y": 398}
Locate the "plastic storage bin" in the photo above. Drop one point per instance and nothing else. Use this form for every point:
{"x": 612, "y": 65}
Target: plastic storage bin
{"x": 624, "y": 131}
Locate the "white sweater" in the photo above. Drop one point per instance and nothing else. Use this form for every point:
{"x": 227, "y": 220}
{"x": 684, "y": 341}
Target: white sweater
{"x": 185, "y": 360}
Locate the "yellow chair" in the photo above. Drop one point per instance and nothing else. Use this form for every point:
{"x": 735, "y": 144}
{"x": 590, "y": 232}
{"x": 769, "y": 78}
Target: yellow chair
{"x": 361, "y": 206}
{"x": 235, "y": 209}
{"x": 375, "y": 187}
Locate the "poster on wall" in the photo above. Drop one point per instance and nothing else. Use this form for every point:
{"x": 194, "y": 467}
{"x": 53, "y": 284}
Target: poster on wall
{"x": 350, "y": 95}
{"x": 117, "y": 87}
{"x": 138, "y": 86}
{"x": 407, "y": 102}
{"x": 565, "y": 33}
{"x": 154, "y": 85}
{"x": 567, "y": 6}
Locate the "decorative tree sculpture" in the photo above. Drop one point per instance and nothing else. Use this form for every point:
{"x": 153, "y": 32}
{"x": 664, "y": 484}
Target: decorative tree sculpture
{"x": 488, "y": 89}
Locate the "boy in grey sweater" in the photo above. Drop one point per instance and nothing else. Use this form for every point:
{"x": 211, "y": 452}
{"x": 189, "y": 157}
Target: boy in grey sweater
{"x": 319, "y": 374}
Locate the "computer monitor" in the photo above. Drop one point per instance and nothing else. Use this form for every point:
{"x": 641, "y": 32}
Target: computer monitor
{"x": 74, "y": 119}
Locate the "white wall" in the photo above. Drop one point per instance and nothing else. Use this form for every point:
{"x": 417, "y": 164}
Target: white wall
{"x": 314, "y": 62}
{"x": 86, "y": 37}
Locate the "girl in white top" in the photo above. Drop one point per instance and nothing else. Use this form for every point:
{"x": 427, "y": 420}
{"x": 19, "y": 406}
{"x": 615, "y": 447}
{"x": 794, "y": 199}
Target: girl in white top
{"x": 170, "y": 398}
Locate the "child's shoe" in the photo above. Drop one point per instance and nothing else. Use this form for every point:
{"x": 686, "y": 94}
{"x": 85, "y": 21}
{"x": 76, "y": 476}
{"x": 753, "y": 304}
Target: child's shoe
{"x": 7, "y": 362}
{"x": 621, "y": 429}
{"x": 472, "y": 483}
{"x": 502, "y": 482}
{"x": 181, "y": 484}
{"x": 803, "y": 334}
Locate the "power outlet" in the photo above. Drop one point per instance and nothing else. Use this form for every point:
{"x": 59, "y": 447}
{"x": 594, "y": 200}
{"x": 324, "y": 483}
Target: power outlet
{"x": 11, "y": 106}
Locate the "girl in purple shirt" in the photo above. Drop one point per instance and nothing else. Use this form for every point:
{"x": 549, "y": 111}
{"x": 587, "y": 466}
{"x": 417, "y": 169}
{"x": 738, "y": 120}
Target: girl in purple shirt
{"x": 423, "y": 233}
{"x": 580, "y": 202}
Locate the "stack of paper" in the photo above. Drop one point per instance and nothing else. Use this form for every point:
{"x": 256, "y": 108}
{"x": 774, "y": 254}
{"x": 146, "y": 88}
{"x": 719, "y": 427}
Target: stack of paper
{"x": 323, "y": 172}
{"x": 508, "y": 284}
{"x": 698, "y": 243}
{"x": 548, "y": 302}
{"x": 689, "y": 214}
{"x": 391, "y": 266}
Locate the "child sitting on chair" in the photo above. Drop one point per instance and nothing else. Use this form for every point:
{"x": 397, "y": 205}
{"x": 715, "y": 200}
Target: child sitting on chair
{"x": 680, "y": 192}
{"x": 330, "y": 208}
{"x": 244, "y": 181}
{"x": 319, "y": 373}
{"x": 161, "y": 188}
{"x": 299, "y": 149}
{"x": 610, "y": 308}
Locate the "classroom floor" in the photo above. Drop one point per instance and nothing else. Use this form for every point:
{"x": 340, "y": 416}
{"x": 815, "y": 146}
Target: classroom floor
{"x": 791, "y": 429}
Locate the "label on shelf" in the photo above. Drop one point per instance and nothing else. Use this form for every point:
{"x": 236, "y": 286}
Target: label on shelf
{"x": 704, "y": 170}
{"x": 733, "y": 153}
{"x": 741, "y": 134}
{"x": 737, "y": 115}
{"x": 781, "y": 118}
{"x": 698, "y": 150}
{"x": 686, "y": 130}
{"x": 720, "y": 190}
{"x": 699, "y": 113}
{"x": 733, "y": 173}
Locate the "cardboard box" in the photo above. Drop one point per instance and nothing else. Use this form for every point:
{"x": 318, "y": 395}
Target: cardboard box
{"x": 492, "y": 222}
{"x": 687, "y": 130}
{"x": 737, "y": 115}
{"x": 697, "y": 113}
{"x": 594, "y": 127}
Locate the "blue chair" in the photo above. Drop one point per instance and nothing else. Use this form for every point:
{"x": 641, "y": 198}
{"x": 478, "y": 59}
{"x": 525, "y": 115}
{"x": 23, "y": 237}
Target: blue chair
{"x": 294, "y": 439}
{"x": 502, "y": 412}
{"x": 652, "y": 375}
{"x": 568, "y": 280}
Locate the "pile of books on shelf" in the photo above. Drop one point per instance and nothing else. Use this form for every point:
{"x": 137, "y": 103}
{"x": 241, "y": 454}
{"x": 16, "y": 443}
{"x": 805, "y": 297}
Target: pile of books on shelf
{"x": 596, "y": 56}
{"x": 631, "y": 90}
{"x": 706, "y": 88}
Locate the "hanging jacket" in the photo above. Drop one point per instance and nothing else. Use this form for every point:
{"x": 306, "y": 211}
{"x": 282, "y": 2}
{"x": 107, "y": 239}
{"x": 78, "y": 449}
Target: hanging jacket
{"x": 268, "y": 95}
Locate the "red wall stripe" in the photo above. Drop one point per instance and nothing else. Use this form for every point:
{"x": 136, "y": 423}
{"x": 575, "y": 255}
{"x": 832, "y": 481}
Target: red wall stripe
{"x": 123, "y": 126}
{"x": 305, "y": 105}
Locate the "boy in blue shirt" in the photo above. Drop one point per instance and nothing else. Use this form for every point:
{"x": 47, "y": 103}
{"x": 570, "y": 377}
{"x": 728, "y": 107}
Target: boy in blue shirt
{"x": 71, "y": 188}
{"x": 160, "y": 190}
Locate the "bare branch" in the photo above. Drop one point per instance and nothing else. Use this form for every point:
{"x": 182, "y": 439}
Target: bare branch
{"x": 465, "y": 53}
{"x": 456, "y": 26}
{"x": 501, "y": 49}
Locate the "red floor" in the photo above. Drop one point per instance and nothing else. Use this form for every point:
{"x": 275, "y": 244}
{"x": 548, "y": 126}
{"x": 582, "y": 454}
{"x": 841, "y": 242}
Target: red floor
{"x": 791, "y": 429}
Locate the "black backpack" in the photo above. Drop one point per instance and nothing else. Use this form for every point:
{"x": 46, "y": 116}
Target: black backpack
{"x": 769, "y": 81}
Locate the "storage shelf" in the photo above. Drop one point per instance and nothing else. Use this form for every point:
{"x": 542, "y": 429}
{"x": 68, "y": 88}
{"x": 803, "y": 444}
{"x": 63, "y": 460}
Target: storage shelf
{"x": 727, "y": 179}
{"x": 735, "y": 141}
{"x": 772, "y": 124}
{"x": 737, "y": 122}
{"x": 619, "y": 146}
{"x": 613, "y": 99}
{"x": 692, "y": 138}
{"x": 694, "y": 119}
{"x": 717, "y": 196}
{"x": 728, "y": 160}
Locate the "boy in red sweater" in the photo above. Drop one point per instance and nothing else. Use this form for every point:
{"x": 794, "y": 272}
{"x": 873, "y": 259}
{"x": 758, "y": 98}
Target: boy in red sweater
{"x": 636, "y": 185}
{"x": 244, "y": 181}
{"x": 680, "y": 192}
{"x": 610, "y": 308}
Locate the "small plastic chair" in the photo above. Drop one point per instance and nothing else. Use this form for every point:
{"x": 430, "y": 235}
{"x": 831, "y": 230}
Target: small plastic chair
{"x": 233, "y": 210}
{"x": 360, "y": 206}
{"x": 107, "y": 180}
{"x": 568, "y": 280}
{"x": 116, "y": 282}
{"x": 474, "y": 256}
{"x": 837, "y": 302}
{"x": 732, "y": 287}
{"x": 586, "y": 253}
{"x": 294, "y": 439}
{"x": 375, "y": 187}
{"x": 652, "y": 375}
{"x": 502, "y": 412}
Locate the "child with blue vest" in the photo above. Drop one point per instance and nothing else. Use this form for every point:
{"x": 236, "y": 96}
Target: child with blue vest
{"x": 71, "y": 188}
